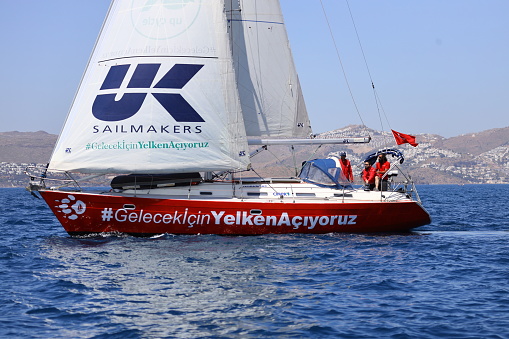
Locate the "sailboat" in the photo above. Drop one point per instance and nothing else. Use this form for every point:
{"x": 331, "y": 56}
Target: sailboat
{"x": 173, "y": 95}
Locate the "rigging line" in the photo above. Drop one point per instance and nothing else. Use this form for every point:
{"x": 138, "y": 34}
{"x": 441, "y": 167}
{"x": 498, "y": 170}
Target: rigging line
{"x": 341, "y": 63}
{"x": 378, "y": 102}
{"x": 289, "y": 168}
{"x": 259, "y": 176}
{"x": 360, "y": 45}
{"x": 316, "y": 150}
{"x": 378, "y": 107}
{"x": 377, "y": 98}
{"x": 294, "y": 161}
{"x": 268, "y": 183}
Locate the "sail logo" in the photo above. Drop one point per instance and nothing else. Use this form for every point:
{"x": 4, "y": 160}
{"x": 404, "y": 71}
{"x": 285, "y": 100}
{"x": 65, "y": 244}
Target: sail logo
{"x": 171, "y": 18}
{"x": 106, "y": 108}
{"x": 71, "y": 208}
{"x": 168, "y": 4}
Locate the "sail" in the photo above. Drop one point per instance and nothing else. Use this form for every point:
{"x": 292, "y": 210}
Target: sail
{"x": 158, "y": 95}
{"x": 270, "y": 92}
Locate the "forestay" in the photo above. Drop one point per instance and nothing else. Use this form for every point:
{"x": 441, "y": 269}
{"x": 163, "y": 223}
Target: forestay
{"x": 158, "y": 94}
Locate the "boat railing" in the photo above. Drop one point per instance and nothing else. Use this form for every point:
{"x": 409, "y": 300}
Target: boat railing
{"x": 42, "y": 178}
{"x": 407, "y": 186}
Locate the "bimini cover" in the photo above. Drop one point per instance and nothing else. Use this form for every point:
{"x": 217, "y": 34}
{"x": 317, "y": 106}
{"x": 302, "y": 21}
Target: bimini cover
{"x": 388, "y": 151}
{"x": 324, "y": 173}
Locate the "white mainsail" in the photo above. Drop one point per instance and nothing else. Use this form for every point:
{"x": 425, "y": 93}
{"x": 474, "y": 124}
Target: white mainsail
{"x": 270, "y": 92}
{"x": 158, "y": 95}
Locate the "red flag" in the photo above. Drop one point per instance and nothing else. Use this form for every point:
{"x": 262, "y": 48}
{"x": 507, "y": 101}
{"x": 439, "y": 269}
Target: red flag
{"x": 404, "y": 138}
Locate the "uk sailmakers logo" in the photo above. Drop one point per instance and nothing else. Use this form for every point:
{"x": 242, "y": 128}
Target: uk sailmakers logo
{"x": 107, "y": 108}
{"x": 163, "y": 19}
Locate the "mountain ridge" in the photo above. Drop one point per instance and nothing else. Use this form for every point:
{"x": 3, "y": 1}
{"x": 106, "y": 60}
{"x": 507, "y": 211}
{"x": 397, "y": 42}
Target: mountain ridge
{"x": 473, "y": 158}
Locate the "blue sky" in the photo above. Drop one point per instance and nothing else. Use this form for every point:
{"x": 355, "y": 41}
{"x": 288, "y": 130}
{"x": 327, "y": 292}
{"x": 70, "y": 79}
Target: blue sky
{"x": 439, "y": 66}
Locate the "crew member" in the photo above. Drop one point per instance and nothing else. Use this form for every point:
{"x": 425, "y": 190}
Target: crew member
{"x": 346, "y": 167}
{"x": 368, "y": 176}
{"x": 382, "y": 166}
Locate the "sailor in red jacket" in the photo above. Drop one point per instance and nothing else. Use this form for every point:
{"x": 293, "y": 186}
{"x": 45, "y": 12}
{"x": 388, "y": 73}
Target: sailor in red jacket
{"x": 382, "y": 166}
{"x": 368, "y": 176}
{"x": 346, "y": 167}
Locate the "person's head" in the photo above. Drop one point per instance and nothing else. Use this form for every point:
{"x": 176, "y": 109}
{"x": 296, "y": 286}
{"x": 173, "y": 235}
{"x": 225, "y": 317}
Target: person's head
{"x": 367, "y": 164}
{"x": 382, "y": 158}
{"x": 342, "y": 155}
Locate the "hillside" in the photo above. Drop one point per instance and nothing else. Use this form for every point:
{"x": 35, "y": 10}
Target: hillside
{"x": 471, "y": 158}
{"x": 26, "y": 147}
{"x": 477, "y": 143}
{"x": 481, "y": 157}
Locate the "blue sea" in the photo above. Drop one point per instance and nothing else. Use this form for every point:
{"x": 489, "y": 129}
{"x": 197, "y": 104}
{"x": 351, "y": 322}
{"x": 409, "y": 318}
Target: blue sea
{"x": 449, "y": 279}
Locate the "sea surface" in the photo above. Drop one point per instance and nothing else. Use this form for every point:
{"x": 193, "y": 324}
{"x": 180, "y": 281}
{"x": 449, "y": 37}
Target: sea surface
{"x": 449, "y": 279}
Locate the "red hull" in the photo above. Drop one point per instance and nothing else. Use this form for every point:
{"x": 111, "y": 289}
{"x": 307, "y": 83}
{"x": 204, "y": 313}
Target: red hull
{"x": 84, "y": 213}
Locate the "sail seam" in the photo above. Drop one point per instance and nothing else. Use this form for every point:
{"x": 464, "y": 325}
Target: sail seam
{"x": 160, "y": 56}
{"x": 259, "y": 21}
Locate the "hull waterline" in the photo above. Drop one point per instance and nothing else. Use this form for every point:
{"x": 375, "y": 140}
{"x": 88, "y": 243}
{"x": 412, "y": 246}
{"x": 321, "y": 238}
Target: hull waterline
{"x": 86, "y": 213}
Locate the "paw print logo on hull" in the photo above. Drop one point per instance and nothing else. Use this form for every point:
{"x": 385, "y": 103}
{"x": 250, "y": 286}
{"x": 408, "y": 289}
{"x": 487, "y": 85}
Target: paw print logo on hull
{"x": 71, "y": 207}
